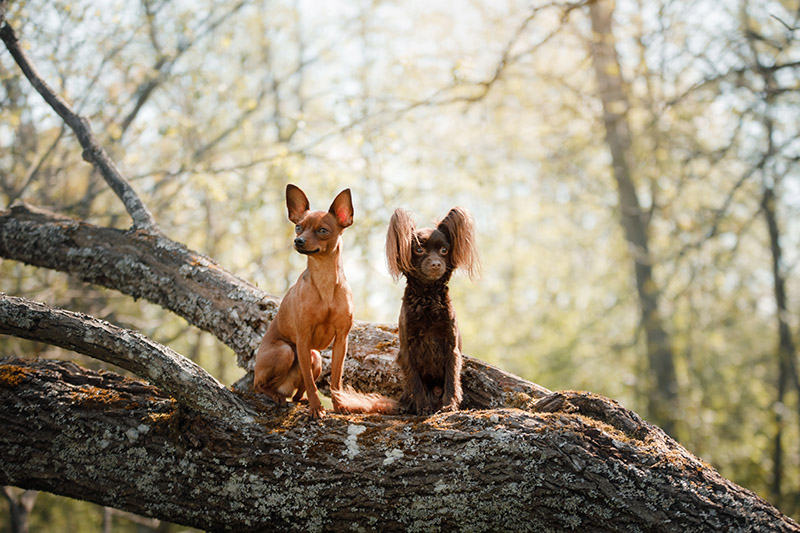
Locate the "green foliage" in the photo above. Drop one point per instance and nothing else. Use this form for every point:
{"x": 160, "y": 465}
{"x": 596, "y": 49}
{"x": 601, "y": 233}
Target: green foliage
{"x": 410, "y": 106}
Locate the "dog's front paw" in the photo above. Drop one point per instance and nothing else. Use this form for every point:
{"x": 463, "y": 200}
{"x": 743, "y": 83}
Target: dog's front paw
{"x": 316, "y": 411}
{"x": 450, "y": 407}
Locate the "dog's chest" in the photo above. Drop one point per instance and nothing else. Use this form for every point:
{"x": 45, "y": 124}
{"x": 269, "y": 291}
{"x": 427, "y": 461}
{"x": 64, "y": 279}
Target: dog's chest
{"x": 325, "y": 321}
{"x": 430, "y": 331}
{"x": 322, "y": 335}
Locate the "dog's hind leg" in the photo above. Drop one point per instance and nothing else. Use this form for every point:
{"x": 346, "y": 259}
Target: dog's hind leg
{"x": 273, "y": 371}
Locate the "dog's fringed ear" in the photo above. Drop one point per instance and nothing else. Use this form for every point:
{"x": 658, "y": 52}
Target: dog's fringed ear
{"x": 342, "y": 208}
{"x": 296, "y": 202}
{"x": 399, "y": 238}
{"x": 460, "y": 229}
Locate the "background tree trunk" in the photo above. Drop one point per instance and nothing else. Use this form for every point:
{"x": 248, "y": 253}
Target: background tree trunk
{"x": 663, "y": 398}
{"x": 20, "y": 504}
{"x": 772, "y": 177}
{"x": 787, "y": 353}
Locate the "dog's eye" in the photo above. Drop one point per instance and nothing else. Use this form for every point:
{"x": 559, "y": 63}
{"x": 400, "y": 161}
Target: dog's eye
{"x": 443, "y": 250}
{"x": 298, "y": 229}
{"x": 323, "y": 231}
{"x": 419, "y": 250}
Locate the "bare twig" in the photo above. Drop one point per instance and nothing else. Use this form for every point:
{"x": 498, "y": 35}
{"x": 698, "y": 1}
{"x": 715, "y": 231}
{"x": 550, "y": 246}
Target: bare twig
{"x": 92, "y": 151}
{"x": 164, "y": 65}
{"x": 786, "y": 25}
{"x": 35, "y": 167}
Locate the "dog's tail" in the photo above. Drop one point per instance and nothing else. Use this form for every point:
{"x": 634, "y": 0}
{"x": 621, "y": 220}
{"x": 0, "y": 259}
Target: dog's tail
{"x": 352, "y": 401}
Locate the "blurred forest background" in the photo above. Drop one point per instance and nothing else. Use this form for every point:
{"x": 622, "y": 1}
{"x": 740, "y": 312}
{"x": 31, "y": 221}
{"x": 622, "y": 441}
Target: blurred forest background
{"x": 632, "y": 169}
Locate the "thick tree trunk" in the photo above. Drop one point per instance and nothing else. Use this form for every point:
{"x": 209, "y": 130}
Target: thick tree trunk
{"x": 573, "y": 462}
{"x": 664, "y": 396}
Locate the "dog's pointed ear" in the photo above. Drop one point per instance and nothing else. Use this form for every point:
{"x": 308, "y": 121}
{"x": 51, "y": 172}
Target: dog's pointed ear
{"x": 342, "y": 208}
{"x": 399, "y": 238}
{"x": 296, "y": 202}
{"x": 460, "y": 229}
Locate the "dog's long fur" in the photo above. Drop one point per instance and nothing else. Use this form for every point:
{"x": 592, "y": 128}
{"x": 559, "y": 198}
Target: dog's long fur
{"x": 430, "y": 343}
{"x": 316, "y": 311}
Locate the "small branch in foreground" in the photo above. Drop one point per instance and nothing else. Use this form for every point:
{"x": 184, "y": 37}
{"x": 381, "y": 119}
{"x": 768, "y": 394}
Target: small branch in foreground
{"x": 176, "y": 375}
{"x": 92, "y": 151}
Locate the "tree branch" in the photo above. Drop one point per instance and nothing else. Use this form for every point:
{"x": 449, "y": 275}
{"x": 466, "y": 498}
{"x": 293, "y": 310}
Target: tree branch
{"x": 583, "y": 463}
{"x": 560, "y": 461}
{"x": 146, "y": 266}
{"x": 92, "y": 151}
{"x": 176, "y": 375}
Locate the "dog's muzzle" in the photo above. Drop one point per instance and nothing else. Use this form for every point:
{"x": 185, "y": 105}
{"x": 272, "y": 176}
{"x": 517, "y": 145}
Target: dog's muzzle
{"x": 306, "y": 252}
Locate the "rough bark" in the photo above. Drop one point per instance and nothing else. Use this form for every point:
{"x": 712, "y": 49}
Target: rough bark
{"x": 536, "y": 460}
{"x": 574, "y": 461}
{"x": 664, "y": 396}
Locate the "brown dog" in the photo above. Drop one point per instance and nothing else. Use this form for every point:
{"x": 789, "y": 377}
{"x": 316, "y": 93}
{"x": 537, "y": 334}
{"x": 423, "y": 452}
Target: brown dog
{"x": 316, "y": 311}
{"x": 430, "y": 343}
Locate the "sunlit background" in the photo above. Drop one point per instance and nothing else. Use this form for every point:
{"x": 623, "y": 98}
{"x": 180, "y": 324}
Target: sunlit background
{"x": 210, "y": 108}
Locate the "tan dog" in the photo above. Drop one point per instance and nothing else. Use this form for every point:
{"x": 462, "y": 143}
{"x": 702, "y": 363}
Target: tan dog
{"x": 316, "y": 311}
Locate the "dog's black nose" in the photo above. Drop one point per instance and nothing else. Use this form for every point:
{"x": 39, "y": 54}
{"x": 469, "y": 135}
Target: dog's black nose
{"x": 300, "y": 242}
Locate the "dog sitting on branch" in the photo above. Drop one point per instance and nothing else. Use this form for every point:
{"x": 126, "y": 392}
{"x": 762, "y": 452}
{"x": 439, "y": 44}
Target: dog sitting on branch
{"x": 430, "y": 343}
